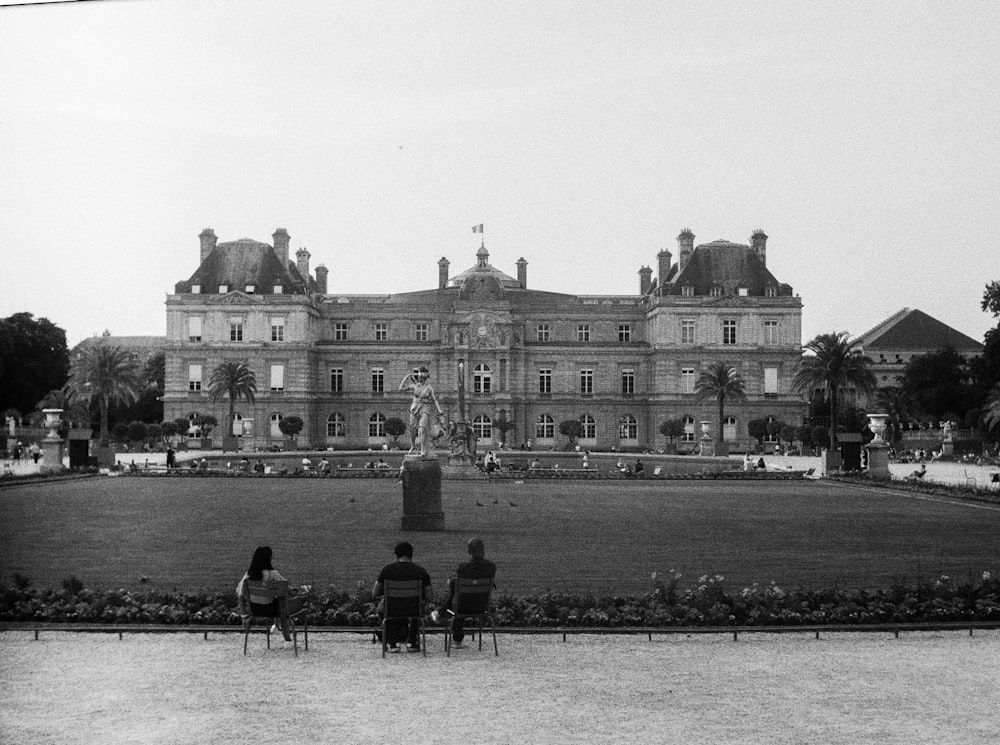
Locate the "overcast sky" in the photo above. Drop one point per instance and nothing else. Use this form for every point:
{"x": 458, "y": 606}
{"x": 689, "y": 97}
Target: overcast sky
{"x": 863, "y": 138}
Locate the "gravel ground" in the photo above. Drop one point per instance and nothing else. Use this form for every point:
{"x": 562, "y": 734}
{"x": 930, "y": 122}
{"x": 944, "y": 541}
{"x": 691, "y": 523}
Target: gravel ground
{"x": 177, "y": 688}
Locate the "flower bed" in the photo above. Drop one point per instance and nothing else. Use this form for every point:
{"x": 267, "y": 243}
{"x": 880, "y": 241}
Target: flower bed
{"x": 707, "y": 603}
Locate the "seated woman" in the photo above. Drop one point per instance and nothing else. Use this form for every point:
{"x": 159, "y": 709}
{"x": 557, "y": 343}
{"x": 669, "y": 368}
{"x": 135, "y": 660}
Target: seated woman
{"x": 261, "y": 570}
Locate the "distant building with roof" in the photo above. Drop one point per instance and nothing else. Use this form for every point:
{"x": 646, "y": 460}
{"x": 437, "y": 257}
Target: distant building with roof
{"x": 139, "y": 348}
{"x": 620, "y": 364}
{"x": 891, "y": 344}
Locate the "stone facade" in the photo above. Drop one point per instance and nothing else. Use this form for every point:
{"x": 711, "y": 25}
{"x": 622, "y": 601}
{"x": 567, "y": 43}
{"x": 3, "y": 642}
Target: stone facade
{"x": 623, "y": 364}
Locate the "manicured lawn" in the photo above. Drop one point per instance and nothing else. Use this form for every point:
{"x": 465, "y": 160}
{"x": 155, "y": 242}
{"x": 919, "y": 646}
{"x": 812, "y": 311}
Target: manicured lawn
{"x": 594, "y": 536}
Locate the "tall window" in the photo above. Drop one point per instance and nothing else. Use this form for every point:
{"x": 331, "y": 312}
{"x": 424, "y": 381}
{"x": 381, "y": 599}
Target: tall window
{"x": 729, "y": 332}
{"x": 624, "y": 332}
{"x": 420, "y": 332}
{"x": 381, "y": 331}
{"x": 545, "y": 427}
{"x": 276, "y": 432}
{"x": 716, "y": 291}
{"x": 628, "y": 382}
{"x": 688, "y": 435}
{"x": 277, "y": 378}
{"x": 235, "y": 329}
{"x": 194, "y": 328}
{"x": 482, "y": 379}
{"x": 545, "y": 380}
{"x": 687, "y": 380}
{"x": 336, "y": 380}
{"x": 587, "y": 382}
{"x": 770, "y": 380}
{"x": 378, "y": 380}
{"x": 277, "y": 328}
{"x": 589, "y": 427}
{"x": 583, "y": 332}
{"x": 770, "y": 332}
{"x": 340, "y": 332}
{"x": 194, "y": 377}
{"x": 729, "y": 429}
{"x": 482, "y": 425}
{"x": 628, "y": 428}
{"x": 542, "y": 332}
{"x": 687, "y": 331}
{"x": 771, "y": 437}
{"x": 336, "y": 426}
{"x": 376, "y": 425}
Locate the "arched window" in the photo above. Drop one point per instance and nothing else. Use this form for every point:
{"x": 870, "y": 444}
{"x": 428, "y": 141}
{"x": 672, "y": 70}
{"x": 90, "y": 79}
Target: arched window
{"x": 729, "y": 429}
{"x": 336, "y": 426}
{"x": 688, "y": 435}
{"x": 376, "y": 425}
{"x": 482, "y": 425}
{"x": 589, "y": 427}
{"x": 275, "y": 421}
{"x": 237, "y": 429}
{"x": 194, "y": 431}
{"x": 628, "y": 428}
{"x": 482, "y": 379}
{"x": 545, "y": 427}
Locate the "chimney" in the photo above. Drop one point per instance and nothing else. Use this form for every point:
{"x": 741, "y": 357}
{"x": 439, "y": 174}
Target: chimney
{"x": 321, "y": 275}
{"x": 645, "y": 280}
{"x": 664, "y": 260}
{"x": 281, "y": 241}
{"x": 685, "y": 242}
{"x": 302, "y": 263}
{"x": 758, "y": 242}
{"x": 442, "y": 273}
{"x": 522, "y": 273}
{"x": 208, "y": 240}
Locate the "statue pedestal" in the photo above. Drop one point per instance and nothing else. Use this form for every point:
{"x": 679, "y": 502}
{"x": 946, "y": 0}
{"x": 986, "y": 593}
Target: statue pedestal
{"x": 707, "y": 448}
{"x": 878, "y": 460}
{"x": 52, "y": 456}
{"x": 422, "y": 494}
{"x": 948, "y": 448}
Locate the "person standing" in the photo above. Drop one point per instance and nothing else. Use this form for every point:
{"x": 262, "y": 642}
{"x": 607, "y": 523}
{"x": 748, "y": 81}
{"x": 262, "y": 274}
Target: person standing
{"x": 403, "y": 568}
{"x": 477, "y": 567}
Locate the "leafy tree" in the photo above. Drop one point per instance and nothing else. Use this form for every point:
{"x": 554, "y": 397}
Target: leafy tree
{"x": 820, "y": 435}
{"x": 137, "y": 431}
{"x": 991, "y": 413}
{"x": 104, "y": 372}
{"x": 232, "y": 379}
{"x": 571, "y": 428}
{"x": 119, "y": 432}
{"x": 154, "y": 432}
{"x": 788, "y": 433}
{"x": 74, "y": 412}
{"x": 832, "y": 363}
{"x": 940, "y": 383}
{"x": 899, "y": 405}
{"x": 757, "y": 429}
{"x": 503, "y": 425}
{"x": 722, "y": 382}
{"x": 394, "y": 427}
{"x": 290, "y": 426}
{"x": 672, "y": 428}
{"x": 149, "y": 406}
{"x": 183, "y": 424}
{"x": 205, "y": 423}
{"x": 33, "y": 360}
{"x": 804, "y": 434}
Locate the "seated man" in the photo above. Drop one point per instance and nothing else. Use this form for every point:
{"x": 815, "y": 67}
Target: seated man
{"x": 403, "y": 568}
{"x": 478, "y": 567}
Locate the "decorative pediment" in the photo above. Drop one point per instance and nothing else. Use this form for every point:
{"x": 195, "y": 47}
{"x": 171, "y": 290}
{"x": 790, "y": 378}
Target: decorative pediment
{"x": 488, "y": 330}
{"x": 236, "y": 298}
{"x": 727, "y": 301}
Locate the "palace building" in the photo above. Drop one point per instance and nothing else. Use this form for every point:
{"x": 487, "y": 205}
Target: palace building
{"x": 530, "y": 359}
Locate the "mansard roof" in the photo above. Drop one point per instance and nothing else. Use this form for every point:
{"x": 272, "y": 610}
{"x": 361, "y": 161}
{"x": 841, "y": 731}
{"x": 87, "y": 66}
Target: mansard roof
{"x": 247, "y": 262}
{"x": 724, "y": 264}
{"x": 505, "y": 280}
{"x": 911, "y": 329}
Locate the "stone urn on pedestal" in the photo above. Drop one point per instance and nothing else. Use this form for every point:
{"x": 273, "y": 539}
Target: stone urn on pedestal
{"x": 878, "y": 448}
{"x": 52, "y": 444}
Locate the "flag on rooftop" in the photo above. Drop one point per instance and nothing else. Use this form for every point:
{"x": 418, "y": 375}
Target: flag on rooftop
{"x": 477, "y": 228}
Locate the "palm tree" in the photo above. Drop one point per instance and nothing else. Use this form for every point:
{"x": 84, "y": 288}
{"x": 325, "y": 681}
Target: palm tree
{"x": 899, "y": 405}
{"x": 991, "y": 411}
{"x": 105, "y": 372}
{"x": 720, "y": 381}
{"x": 831, "y": 364}
{"x": 233, "y": 379}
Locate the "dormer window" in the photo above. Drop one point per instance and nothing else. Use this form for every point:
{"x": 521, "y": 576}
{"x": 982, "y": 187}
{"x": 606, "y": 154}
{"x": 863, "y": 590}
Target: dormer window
{"x": 743, "y": 292}
{"x": 277, "y": 289}
{"x": 687, "y": 291}
{"x": 716, "y": 291}
{"x": 195, "y": 289}
{"x": 250, "y": 289}
{"x": 770, "y": 291}
{"x": 223, "y": 289}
